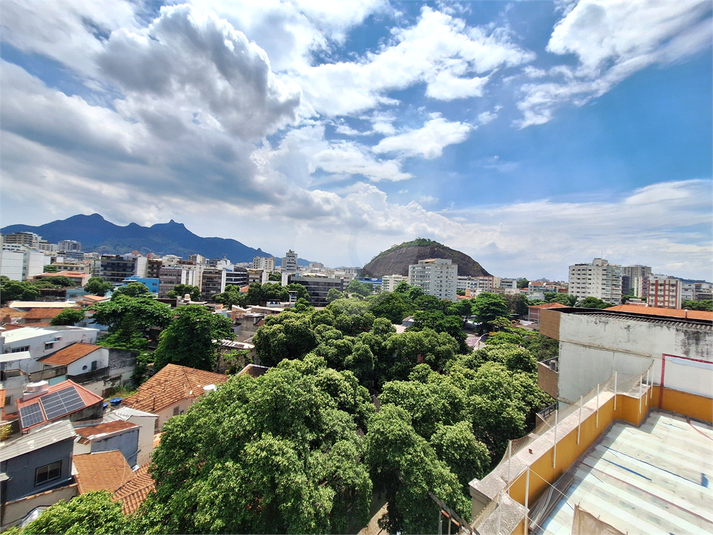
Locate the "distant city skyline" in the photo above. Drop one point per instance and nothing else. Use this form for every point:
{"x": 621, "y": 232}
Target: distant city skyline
{"x": 529, "y": 135}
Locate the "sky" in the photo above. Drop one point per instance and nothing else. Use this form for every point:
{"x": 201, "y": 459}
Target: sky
{"x": 530, "y": 135}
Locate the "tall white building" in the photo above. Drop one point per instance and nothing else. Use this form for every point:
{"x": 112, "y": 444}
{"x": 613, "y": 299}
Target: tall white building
{"x": 599, "y": 279}
{"x": 390, "y": 282}
{"x": 266, "y": 263}
{"x": 436, "y": 276}
{"x": 289, "y": 262}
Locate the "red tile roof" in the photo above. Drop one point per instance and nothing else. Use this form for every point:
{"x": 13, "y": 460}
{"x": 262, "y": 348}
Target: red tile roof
{"x": 549, "y": 305}
{"x": 70, "y": 354}
{"x": 670, "y": 312}
{"x": 134, "y": 491}
{"x": 42, "y": 313}
{"x": 171, "y": 385}
{"x": 106, "y": 470}
{"x": 94, "y": 432}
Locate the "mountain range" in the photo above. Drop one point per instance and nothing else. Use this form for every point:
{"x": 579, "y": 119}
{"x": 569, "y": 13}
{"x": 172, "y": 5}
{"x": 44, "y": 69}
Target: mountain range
{"x": 96, "y": 234}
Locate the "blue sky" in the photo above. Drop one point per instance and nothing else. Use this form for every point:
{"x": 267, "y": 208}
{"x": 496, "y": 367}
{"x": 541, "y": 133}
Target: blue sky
{"x": 530, "y": 135}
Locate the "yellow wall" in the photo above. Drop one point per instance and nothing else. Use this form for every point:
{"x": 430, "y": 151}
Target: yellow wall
{"x": 542, "y": 470}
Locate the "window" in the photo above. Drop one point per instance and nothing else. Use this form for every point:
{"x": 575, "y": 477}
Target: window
{"x": 49, "y": 345}
{"x": 48, "y": 472}
{"x": 20, "y": 349}
{"x": 175, "y": 411}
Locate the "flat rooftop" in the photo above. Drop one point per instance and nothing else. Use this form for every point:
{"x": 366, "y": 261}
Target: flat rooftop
{"x": 651, "y": 479}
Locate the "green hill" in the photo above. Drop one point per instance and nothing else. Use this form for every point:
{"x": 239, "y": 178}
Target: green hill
{"x": 396, "y": 260}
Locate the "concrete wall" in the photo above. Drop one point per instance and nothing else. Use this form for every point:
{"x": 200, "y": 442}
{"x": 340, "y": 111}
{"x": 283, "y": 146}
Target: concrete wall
{"x": 593, "y": 347}
{"x": 15, "y": 511}
{"x": 21, "y": 469}
{"x": 127, "y": 443}
{"x": 84, "y": 364}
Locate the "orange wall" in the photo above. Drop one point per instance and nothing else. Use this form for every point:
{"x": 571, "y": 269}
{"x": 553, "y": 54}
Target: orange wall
{"x": 683, "y": 403}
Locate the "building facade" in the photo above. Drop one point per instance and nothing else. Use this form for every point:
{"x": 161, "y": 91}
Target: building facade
{"x": 289, "y": 262}
{"x": 390, "y": 282}
{"x": 598, "y": 279}
{"x": 664, "y": 292}
{"x": 435, "y": 276}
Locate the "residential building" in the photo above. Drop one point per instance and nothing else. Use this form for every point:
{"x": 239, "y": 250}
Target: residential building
{"x": 80, "y": 278}
{"x": 153, "y": 268}
{"x": 36, "y": 471}
{"x": 115, "y": 268}
{"x": 255, "y": 275}
{"x": 11, "y": 264}
{"x": 69, "y": 245}
{"x": 476, "y": 284}
{"x": 631, "y": 279}
{"x": 85, "y": 364}
{"x": 168, "y": 277}
{"x": 33, "y": 263}
{"x": 598, "y": 279}
{"x": 317, "y": 286}
{"x": 664, "y": 292}
{"x": 109, "y": 436}
{"x": 27, "y": 239}
{"x": 507, "y": 284}
{"x": 534, "y": 310}
{"x": 42, "y": 403}
{"x": 390, "y": 282}
{"x": 172, "y": 390}
{"x": 146, "y": 422}
{"x": 436, "y": 276}
{"x": 266, "y": 263}
{"x": 213, "y": 282}
{"x": 290, "y": 262}
{"x": 237, "y": 277}
{"x": 151, "y": 284}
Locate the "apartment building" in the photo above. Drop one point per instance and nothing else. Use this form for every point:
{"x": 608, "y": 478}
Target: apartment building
{"x": 436, "y": 276}
{"x": 631, "y": 279}
{"x": 664, "y": 292}
{"x": 266, "y": 263}
{"x": 289, "y": 262}
{"x": 390, "y": 282}
{"x": 598, "y": 279}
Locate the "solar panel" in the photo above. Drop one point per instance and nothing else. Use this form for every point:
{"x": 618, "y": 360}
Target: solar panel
{"x": 31, "y": 415}
{"x": 62, "y": 402}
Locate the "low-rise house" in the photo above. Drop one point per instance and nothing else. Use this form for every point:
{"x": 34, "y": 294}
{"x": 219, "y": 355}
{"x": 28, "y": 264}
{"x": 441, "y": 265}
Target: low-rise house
{"x": 533, "y": 312}
{"x": 146, "y": 423}
{"x": 110, "y": 436}
{"x": 135, "y": 490}
{"x": 107, "y": 470}
{"x": 41, "y": 315}
{"x": 36, "y": 471}
{"x": 67, "y": 400}
{"x": 172, "y": 390}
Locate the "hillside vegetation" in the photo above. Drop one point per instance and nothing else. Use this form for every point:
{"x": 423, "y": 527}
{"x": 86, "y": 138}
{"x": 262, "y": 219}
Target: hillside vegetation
{"x": 396, "y": 260}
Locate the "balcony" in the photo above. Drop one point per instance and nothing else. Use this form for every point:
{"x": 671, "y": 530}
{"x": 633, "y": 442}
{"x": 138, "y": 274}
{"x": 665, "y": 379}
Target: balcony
{"x": 548, "y": 376}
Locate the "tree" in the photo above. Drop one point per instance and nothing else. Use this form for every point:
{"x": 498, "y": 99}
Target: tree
{"x": 563, "y": 299}
{"x": 411, "y": 292}
{"x": 517, "y": 304}
{"x": 98, "y": 286}
{"x": 593, "y": 302}
{"x": 192, "y": 338}
{"x": 50, "y": 268}
{"x": 489, "y": 306}
{"x": 299, "y": 290}
{"x": 90, "y": 513}
{"x": 69, "y": 316}
{"x": 359, "y": 288}
{"x": 17, "y": 290}
{"x": 392, "y": 306}
{"x": 705, "y": 304}
{"x": 133, "y": 289}
{"x": 145, "y": 311}
{"x": 523, "y": 283}
{"x": 334, "y": 294}
{"x": 274, "y": 277}
{"x": 287, "y": 336}
{"x": 180, "y": 290}
{"x": 465, "y": 456}
{"x": 276, "y": 454}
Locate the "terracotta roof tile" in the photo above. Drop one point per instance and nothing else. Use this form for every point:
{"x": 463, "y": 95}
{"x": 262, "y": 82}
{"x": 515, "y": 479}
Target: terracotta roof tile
{"x": 549, "y": 305}
{"x": 70, "y": 354}
{"x": 7, "y": 311}
{"x": 92, "y": 432}
{"x": 670, "y": 312}
{"x": 170, "y": 385}
{"x": 134, "y": 491}
{"x": 106, "y": 470}
{"x": 42, "y": 313}
{"x": 89, "y": 398}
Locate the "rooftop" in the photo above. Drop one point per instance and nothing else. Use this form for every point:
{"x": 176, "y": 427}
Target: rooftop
{"x": 106, "y": 470}
{"x": 669, "y": 312}
{"x": 650, "y": 479}
{"x": 39, "y": 304}
{"x": 70, "y": 354}
{"x": 31, "y": 331}
{"x": 42, "y": 313}
{"x": 171, "y": 385}
{"x": 103, "y": 430}
{"x": 35, "y": 440}
{"x": 59, "y": 401}
{"x": 134, "y": 491}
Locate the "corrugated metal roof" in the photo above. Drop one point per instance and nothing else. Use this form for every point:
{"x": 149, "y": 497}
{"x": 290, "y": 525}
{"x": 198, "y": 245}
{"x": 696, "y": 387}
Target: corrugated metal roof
{"x": 44, "y": 436}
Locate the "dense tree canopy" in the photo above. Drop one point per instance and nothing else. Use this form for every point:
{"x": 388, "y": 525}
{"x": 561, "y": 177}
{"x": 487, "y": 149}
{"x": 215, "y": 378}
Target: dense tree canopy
{"x": 705, "y": 304}
{"x": 180, "y": 290}
{"x": 146, "y": 312}
{"x": 98, "y": 286}
{"x": 69, "y": 316}
{"x": 593, "y": 302}
{"x": 489, "y": 306}
{"x": 132, "y": 289}
{"x": 18, "y": 290}
{"x": 277, "y": 454}
{"x": 192, "y": 338}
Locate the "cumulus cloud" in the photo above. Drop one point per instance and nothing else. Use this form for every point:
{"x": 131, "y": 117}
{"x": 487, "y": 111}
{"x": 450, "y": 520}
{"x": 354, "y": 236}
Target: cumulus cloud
{"x": 613, "y": 40}
{"x": 427, "y": 142}
{"x": 440, "y": 50}
{"x": 199, "y": 65}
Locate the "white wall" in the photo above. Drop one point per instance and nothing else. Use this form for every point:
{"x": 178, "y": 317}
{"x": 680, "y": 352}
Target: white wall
{"x": 11, "y": 264}
{"x": 592, "y": 348}
{"x": 35, "y": 338}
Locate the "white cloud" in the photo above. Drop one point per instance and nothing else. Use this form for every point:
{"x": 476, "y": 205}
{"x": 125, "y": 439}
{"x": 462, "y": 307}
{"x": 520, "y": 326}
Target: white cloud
{"x": 427, "y": 142}
{"x": 439, "y": 50}
{"x": 613, "y": 40}
{"x": 487, "y": 117}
